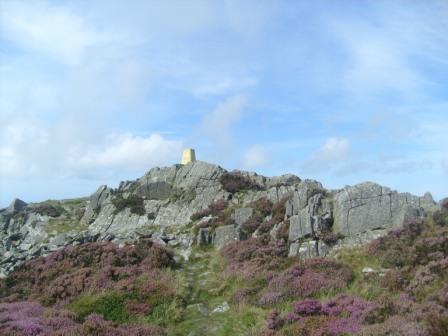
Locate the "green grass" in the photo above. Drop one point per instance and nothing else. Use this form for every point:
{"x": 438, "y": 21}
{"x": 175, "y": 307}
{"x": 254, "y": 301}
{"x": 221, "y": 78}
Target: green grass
{"x": 110, "y": 305}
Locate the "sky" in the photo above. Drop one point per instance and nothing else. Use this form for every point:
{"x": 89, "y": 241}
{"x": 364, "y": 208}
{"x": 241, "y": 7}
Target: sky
{"x": 99, "y": 91}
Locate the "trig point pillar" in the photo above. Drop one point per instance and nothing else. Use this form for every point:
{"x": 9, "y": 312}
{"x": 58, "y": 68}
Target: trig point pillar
{"x": 188, "y": 156}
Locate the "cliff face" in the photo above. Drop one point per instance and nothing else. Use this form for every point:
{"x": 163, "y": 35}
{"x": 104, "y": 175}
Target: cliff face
{"x": 202, "y": 203}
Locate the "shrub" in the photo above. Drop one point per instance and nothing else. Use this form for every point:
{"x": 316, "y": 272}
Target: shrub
{"x": 133, "y": 202}
{"x": 310, "y": 277}
{"x": 31, "y": 319}
{"x": 254, "y": 257}
{"x": 93, "y": 267}
{"x": 263, "y": 206}
{"x": 329, "y": 237}
{"x": 252, "y": 224}
{"x": 48, "y": 210}
{"x": 213, "y": 209}
{"x": 283, "y": 231}
{"x": 339, "y": 316}
{"x": 111, "y": 306}
{"x": 235, "y": 181}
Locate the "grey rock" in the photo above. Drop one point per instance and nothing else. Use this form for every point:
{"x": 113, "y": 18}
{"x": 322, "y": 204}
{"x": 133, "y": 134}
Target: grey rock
{"x": 16, "y": 205}
{"x": 369, "y": 206}
{"x": 224, "y": 234}
{"x": 96, "y": 201}
{"x": 241, "y": 215}
{"x": 299, "y": 200}
{"x": 300, "y": 225}
{"x": 282, "y": 180}
{"x": 222, "y": 308}
{"x": 305, "y": 249}
{"x": 293, "y": 249}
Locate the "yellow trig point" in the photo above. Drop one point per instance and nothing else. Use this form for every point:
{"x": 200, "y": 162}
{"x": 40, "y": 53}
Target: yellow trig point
{"x": 188, "y": 156}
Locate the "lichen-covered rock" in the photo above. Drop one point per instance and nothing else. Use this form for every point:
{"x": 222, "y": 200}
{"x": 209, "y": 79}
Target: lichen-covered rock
{"x": 369, "y": 206}
{"x": 311, "y": 219}
{"x": 225, "y": 234}
{"x": 241, "y": 215}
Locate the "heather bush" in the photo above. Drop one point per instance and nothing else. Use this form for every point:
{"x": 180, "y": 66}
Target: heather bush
{"x": 310, "y": 277}
{"x": 396, "y": 248}
{"x": 93, "y": 267}
{"x": 213, "y": 210}
{"x": 133, "y": 202}
{"x": 262, "y": 206}
{"x": 45, "y": 209}
{"x": 339, "y": 316}
{"x": 31, "y": 319}
{"x": 235, "y": 181}
{"x": 283, "y": 231}
{"x": 329, "y": 237}
{"x": 267, "y": 226}
{"x": 254, "y": 256}
{"x": 252, "y": 224}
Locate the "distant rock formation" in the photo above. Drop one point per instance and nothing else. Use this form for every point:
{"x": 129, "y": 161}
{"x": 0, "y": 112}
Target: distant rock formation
{"x": 162, "y": 203}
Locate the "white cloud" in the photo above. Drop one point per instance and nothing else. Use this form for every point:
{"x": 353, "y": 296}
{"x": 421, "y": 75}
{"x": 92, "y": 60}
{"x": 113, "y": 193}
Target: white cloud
{"x": 255, "y": 157}
{"x": 50, "y": 30}
{"x": 127, "y": 152}
{"x": 217, "y": 125}
{"x": 30, "y": 150}
{"x": 331, "y": 153}
{"x": 20, "y": 147}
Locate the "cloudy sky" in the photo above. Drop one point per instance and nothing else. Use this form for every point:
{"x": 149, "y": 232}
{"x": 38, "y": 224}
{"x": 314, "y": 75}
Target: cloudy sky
{"x": 94, "y": 92}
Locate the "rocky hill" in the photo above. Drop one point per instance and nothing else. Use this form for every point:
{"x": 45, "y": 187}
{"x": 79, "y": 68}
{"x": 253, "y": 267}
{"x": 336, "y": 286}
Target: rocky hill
{"x": 196, "y": 250}
{"x": 201, "y": 203}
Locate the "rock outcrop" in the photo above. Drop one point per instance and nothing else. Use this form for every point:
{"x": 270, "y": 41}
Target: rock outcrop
{"x": 160, "y": 206}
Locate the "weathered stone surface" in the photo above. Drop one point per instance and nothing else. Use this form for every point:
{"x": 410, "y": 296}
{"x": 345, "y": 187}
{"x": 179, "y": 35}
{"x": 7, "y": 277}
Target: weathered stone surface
{"x": 300, "y": 225}
{"x": 304, "y": 191}
{"x": 223, "y": 235}
{"x": 16, "y": 205}
{"x": 305, "y": 250}
{"x": 94, "y": 204}
{"x": 282, "y": 180}
{"x": 369, "y": 206}
{"x": 241, "y": 215}
{"x": 312, "y": 219}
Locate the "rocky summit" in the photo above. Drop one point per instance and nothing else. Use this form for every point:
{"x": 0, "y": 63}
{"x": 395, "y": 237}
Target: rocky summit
{"x": 197, "y": 250}
{"x": 203, "y": 204}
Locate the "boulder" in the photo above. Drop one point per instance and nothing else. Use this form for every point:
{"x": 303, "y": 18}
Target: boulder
{"x": 241, "y": 215}
{"x": 224, "y": 234}
{"x": 369, "y": 206}
{"x": 312, "y": 219}
{"x": 299, "y": 200}
{"x": 16, "y": 205}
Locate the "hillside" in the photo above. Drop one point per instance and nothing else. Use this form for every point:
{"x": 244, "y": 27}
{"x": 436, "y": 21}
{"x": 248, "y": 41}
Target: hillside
{"x": 197, "y": 250}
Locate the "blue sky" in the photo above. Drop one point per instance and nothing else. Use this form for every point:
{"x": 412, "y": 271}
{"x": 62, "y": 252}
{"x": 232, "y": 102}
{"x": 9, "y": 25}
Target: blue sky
{"x": 94, "y": 92}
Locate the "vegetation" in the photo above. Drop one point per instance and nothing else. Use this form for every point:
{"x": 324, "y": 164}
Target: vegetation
{"x": 235, "y": 181}
{"x": 133, "y": 202}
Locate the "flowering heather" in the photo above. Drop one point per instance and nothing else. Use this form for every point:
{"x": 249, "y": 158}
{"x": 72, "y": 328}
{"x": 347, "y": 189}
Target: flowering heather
{"x": 94, "y": 267}
{"x": 263, "y": 206}
{"x": 309, "y": 277}
{"x": 341, "y": 315}
{"x": 255, "y": 256}
{"x": 31, "y": 319}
